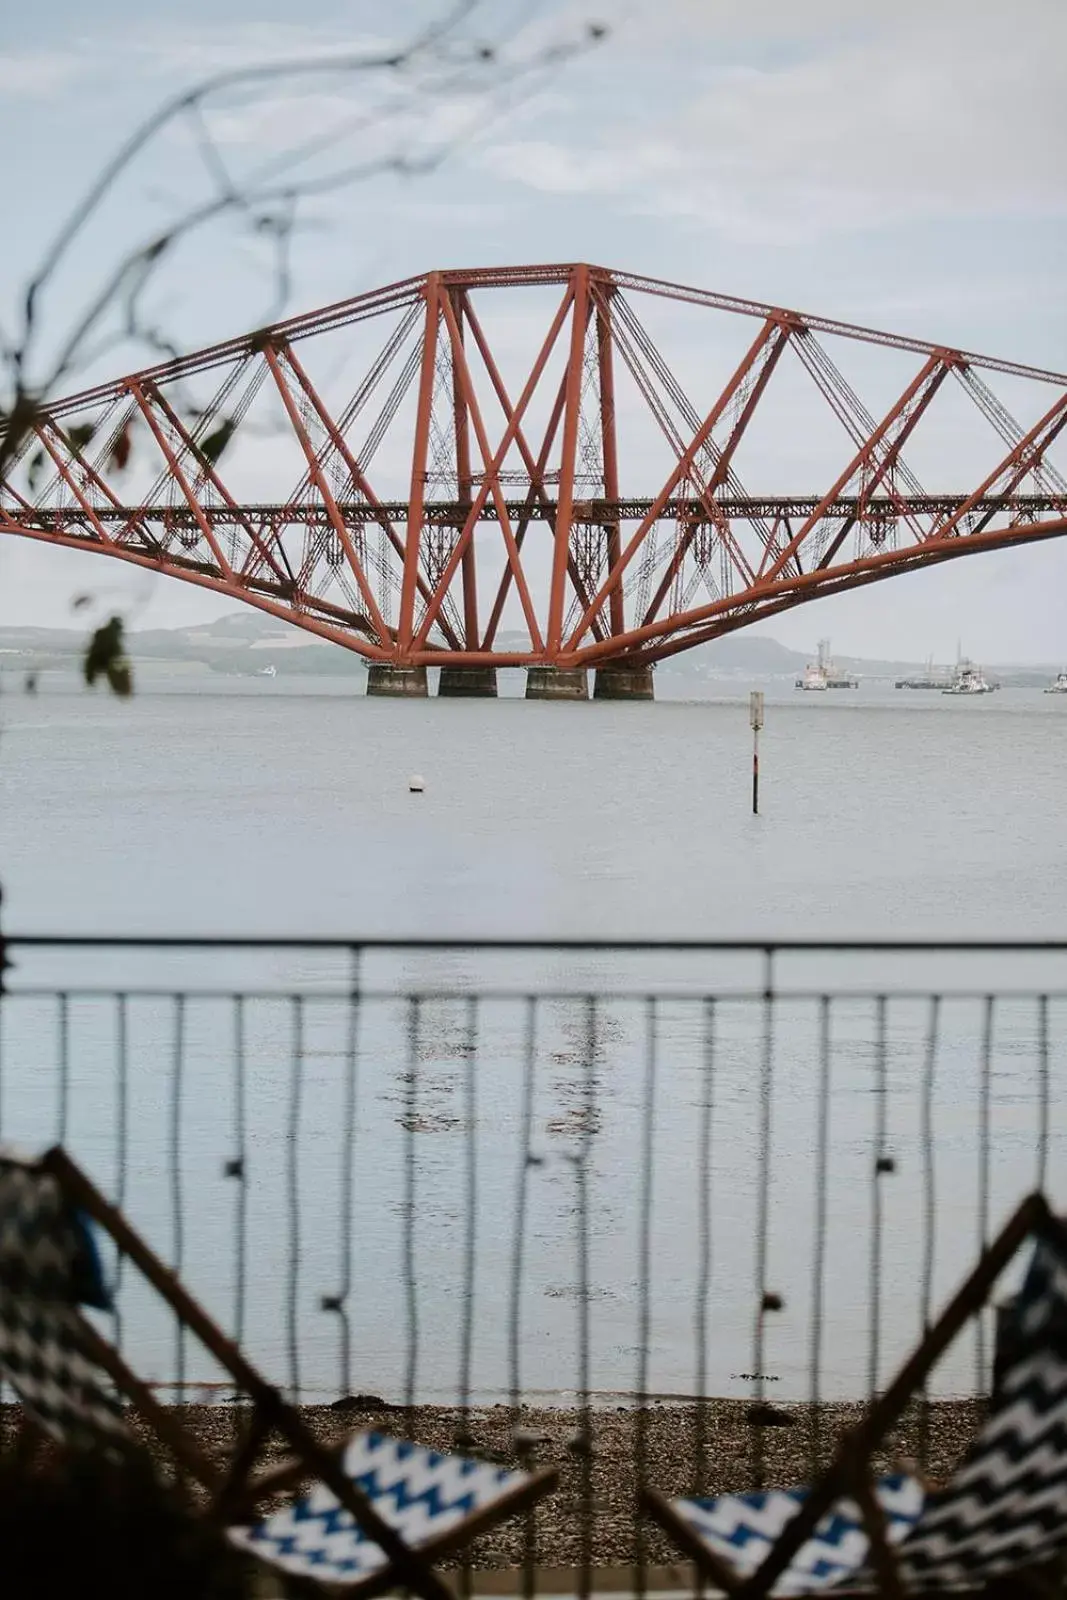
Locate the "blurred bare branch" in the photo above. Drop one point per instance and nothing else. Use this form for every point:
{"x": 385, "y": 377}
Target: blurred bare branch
{"x": 444, "y": 62}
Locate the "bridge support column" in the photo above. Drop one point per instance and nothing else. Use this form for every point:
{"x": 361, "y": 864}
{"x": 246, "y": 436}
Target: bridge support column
{"x": 398, "y": 683}
{"x": 467, "y": 683}
{"x": 557, "y": 683}
{"x": 623, "y": 683}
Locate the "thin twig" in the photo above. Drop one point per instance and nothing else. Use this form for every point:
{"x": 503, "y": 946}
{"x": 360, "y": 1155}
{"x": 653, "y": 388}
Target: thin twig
{"x": 272, "y": 205}
{"x": 208, "y": 88}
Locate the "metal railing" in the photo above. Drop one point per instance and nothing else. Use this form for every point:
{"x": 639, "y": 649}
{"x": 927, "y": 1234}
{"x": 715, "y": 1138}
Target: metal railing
{"x": 642, "y": 1179}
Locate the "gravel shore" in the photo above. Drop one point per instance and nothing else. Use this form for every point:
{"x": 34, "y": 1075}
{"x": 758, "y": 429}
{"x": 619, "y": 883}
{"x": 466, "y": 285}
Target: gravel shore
{"x": 668, "y": 1439}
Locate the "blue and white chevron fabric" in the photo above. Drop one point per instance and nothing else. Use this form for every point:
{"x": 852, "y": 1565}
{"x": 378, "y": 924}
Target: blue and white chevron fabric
{"x": 47, "y": 1248}
{"x": 741, "y": 1529}
{"x": 421, "y": 1494}
{"x": 1006, "y": 1506}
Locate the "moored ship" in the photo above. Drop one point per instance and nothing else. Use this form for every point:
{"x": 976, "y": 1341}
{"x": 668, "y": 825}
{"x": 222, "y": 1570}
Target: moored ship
{"x": 824, "y": 673}
{"x": 930, "y": 679}
{"x": 968, "y": 679}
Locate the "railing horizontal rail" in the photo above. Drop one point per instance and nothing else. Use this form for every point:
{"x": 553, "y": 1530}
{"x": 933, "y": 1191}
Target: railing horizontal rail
{"x": 649, "y": 1196}
{"x": 326, "y": 996}
{"x": 563, "y": 942}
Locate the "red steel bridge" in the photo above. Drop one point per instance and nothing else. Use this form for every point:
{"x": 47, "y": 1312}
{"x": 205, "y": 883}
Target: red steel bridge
{"x": 556, "y": 467}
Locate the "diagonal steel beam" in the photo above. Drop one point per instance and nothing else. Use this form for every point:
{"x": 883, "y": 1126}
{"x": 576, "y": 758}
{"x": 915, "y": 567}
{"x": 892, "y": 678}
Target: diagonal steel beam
{"x": 207, "y": 468}
{"x": 181, "y": 480}
{"x": 525, "y": 515}
{"x": 609, "y": 450}
{"x": 535, "y": 466}
{"x": 1020, "y": 460}
{"x": 132, "y": 518}
{"x": 491, "y": 462}
{"x": 719, "y": 476}
{"x": 866, "y": 456}
{"x": 362, "y": 483}
{"x": 580, "y": 310}
{"x": 766, "y": 333}
{"x": 908, "y": 423}
{"x": 337, "y": 521}
{"x": 651, "y": 642}
{"x": 625, "y": 338}
{"x": 43, "y": 431}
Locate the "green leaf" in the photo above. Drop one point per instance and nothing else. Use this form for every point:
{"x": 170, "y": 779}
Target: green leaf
{"x": 212, "y": 447}
{"x": 120, "y": 678}
{"x": 106, "y": 658}
{"x": 121, "y": 448}
{"x": 80, "y": 434}
{"x": 34, "y": 467}
{"x": 17, "y": 423}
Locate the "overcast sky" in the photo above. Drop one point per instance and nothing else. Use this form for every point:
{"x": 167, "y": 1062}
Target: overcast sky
{"x": 901, "y": 165}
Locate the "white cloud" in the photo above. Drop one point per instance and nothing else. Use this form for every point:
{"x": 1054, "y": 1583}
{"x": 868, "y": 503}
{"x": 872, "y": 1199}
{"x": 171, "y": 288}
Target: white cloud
{"x": 728, "y": 123}
{"x": 199, "y": 51}
{"x": 784, "y": 22}
{"x": 37, "y": 75}
{"x": 558, "y": 169}
{"x": 950, "y": 111}
{"x": 167, "y": 52}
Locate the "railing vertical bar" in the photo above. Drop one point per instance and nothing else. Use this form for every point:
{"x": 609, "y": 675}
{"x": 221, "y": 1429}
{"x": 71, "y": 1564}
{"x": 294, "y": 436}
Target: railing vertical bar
{"x": 985, "y": 1110}
{"x": 177, "y": 1199}
{"x": 518, "y": 1255}
{"x": 470, "y": 1244}
{"x": 644, "y": 1275}
{"x": 518, "y": 1261}
{"x": 704, "y": 1251}
{"x": 62, "y": 1015}
{"x": 929, "y": 1212}
{"x": 239, "y": 1168}
{"x": 878, "y": 1172}
{"x": 296, "y": 1101}
{"x": 348, "y": 1170}
{"x": 409, "y": 1267}
{"x": 470, "y": 1230}
{"x": 5, "y": 965}
{"x": 122, "y": 1135}
{"x": 584, "y": 1442}
{"x": 764, "y": 1302}
{"x": 63, "y": 1046}
{"x": 1043, "y": 1092}
{"x": 818, "y": 1272}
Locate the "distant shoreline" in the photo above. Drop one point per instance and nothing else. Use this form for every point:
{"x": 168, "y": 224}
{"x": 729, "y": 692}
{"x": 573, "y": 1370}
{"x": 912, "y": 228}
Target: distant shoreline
{"x": 243, "y": 642}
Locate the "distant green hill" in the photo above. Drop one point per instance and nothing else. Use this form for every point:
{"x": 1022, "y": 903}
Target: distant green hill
{"x": 246, "y": 641}
{"x": 242, "y": 644}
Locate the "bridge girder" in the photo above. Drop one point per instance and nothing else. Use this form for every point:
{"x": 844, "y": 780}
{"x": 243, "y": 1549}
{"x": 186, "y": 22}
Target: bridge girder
{"x": 459, "y": 490}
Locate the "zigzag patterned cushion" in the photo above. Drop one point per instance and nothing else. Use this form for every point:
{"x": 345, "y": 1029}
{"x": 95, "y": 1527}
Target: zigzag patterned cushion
{"x": 38, "y": 1246}
{"x": 1006, "y": 1507}
{"x": 47, "y": 1249}
{"x": 741, "y": 1528}
{"x": 65, "y": 1392}
{"x": 421, "y": 1494}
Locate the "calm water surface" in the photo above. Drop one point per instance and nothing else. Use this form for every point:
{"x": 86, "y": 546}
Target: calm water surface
{"x": 267, "y": 807}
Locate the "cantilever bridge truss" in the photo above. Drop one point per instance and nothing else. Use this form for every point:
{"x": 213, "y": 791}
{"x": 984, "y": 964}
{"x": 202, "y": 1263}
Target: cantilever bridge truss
{"x": 561, "y": 465}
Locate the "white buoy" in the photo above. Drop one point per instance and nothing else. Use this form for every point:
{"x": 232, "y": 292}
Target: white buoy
{"x": 416, "y": 784}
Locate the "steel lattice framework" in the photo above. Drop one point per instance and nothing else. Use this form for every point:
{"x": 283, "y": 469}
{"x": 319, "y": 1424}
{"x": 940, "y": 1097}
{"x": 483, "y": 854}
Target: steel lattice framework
{"x": 447, "y": 499}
